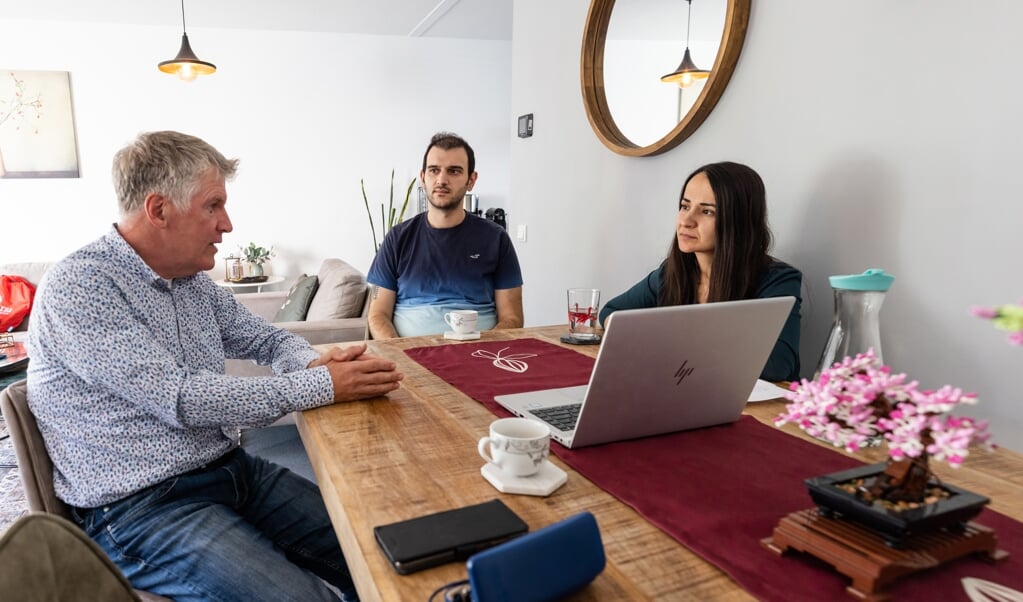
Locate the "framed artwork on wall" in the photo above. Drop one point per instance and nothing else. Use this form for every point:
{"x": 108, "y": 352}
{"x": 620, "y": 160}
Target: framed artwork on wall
{"x": 37, "y": 125}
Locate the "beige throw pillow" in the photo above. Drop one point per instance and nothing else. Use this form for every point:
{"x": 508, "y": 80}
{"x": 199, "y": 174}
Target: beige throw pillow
{"x": 341, "y": 294}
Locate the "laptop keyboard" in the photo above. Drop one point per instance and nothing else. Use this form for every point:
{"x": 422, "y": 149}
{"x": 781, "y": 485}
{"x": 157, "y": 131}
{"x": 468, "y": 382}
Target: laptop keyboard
{"x": 560, "y": 417}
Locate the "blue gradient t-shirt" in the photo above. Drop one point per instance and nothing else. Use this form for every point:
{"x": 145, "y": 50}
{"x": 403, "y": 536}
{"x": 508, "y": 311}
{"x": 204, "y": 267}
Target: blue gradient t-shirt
{"x": 435, "y": 270}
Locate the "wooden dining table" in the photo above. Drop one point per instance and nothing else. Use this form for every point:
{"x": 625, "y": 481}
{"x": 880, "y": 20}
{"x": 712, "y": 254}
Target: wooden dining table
{"x": 413, "y": 452}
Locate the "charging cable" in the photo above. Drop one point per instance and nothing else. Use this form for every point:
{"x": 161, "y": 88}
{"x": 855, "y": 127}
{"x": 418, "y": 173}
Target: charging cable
{"x": 456, "y": 591}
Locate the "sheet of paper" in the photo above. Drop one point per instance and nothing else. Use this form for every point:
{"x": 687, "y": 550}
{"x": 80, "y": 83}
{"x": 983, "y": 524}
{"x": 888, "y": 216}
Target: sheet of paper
{"x": 763, "y": 390}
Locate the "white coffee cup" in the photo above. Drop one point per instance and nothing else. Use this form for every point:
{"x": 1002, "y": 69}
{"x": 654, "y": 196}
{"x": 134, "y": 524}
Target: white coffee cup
{"x": 462, "y": 321}
{"x": 518, "y": 446}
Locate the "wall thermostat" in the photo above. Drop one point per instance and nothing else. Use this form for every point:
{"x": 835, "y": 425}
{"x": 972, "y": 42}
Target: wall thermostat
{"x": 525, "y": 125}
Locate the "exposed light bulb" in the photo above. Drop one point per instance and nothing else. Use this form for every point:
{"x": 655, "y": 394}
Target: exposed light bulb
{"x": 187, "y": 73}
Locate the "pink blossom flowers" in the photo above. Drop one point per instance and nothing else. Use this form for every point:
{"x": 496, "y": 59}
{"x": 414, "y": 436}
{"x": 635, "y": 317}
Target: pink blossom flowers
{"x": 13, "y": 110}
{"x": 858, "y": 398}
{"x": 1005, "y": 317}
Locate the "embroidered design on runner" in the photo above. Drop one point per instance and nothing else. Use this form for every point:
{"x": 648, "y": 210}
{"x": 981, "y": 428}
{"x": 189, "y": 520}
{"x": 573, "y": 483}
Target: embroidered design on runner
{"x": 511, "y": 363}
{"x": 980, "y": 590}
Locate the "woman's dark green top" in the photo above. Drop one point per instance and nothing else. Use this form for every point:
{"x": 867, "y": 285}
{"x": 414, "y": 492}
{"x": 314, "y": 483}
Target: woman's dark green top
{"x": 779, "y": 280}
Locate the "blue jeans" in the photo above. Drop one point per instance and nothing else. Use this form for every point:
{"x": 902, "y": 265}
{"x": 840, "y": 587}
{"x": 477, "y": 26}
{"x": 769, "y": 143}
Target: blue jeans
{"x": 246, "y": 529}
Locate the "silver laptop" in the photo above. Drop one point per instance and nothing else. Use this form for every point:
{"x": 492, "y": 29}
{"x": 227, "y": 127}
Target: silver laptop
{"x": 662, "y": 370}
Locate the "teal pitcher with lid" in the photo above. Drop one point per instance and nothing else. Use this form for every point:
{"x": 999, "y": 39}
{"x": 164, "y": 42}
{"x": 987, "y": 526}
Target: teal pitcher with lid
{"x": 856, "y": 327}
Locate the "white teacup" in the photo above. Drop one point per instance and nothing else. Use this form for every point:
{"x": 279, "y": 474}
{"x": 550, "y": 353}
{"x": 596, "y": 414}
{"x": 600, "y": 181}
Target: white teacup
{"x": 518, "y": 446}
{"x": 462, "y": 321}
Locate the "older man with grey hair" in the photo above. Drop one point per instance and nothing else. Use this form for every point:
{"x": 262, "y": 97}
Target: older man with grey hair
{"x": 128, "y": 342}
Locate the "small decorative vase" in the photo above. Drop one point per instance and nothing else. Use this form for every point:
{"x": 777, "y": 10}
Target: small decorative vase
{"x": 257, "y": 269}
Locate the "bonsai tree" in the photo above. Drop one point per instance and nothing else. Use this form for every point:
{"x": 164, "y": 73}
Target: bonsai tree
{"x": 859, "y": 398}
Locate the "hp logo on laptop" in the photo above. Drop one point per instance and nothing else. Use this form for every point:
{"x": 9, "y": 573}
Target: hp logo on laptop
{"x": 682, "y": 373}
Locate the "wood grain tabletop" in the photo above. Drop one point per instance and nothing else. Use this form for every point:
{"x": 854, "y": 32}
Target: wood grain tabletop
{"x": 414, "y": 452}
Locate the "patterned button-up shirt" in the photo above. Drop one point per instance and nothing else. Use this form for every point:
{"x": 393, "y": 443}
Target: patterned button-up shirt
{"x": 126, "y": 377}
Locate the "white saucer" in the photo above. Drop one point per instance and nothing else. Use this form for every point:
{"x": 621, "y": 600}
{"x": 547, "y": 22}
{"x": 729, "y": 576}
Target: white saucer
{"x": 542, "y": 483}
{"x": 469, "y": 336}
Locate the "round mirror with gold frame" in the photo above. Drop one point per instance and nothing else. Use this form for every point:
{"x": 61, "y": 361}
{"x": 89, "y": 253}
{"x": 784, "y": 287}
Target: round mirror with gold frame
{"x": 598, "y": 84}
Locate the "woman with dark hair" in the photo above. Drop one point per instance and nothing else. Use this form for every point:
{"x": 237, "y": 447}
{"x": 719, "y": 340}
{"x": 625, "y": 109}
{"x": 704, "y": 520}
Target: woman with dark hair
{"x": 720, "y": 253}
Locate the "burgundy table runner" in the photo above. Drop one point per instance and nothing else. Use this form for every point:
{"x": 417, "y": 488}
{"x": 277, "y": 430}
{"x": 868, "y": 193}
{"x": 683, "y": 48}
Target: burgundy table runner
{"x": 717, "y": 490}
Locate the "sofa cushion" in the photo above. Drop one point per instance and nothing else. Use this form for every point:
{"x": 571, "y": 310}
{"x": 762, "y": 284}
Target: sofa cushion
{"x": 341, "y": 293}
{"x": 296, "y": 305}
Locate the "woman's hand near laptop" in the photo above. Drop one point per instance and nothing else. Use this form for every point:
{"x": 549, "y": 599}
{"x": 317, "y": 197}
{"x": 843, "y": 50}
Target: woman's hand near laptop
{"x": 357, "y": 374}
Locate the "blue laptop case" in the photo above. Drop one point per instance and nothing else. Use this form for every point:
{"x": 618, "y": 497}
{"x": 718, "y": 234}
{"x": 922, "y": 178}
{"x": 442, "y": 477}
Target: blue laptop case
{"x": 548, "y": 564}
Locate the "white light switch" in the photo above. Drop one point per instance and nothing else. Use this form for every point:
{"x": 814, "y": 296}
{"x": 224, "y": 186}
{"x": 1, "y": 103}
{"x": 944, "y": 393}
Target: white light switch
{"x": 520, "y": 233}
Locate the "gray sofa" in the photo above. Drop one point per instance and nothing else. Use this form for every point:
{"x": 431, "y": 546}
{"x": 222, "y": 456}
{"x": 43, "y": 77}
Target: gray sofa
{"x": 338, "y": 311}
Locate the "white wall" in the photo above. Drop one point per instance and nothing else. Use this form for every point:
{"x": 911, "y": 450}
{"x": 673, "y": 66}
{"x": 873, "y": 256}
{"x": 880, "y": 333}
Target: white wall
{"x": 891, "y": 139}
{"x": 308, "y": 115}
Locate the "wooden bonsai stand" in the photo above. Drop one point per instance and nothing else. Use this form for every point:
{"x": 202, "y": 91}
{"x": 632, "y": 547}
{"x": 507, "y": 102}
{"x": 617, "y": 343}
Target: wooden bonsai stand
{"x": 862, "y": 555}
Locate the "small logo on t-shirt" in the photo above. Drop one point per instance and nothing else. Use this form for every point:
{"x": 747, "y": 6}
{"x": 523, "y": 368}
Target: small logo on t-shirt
{"x": 474, "y": 256}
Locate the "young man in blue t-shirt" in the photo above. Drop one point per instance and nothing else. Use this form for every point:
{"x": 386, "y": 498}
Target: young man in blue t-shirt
{"x": 445, "y": 258}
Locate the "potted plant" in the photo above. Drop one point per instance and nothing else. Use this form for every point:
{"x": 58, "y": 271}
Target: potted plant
{"x": 256, "y": 256}
{"x": 858, "y": 399}
{"x": 389, "y": 218}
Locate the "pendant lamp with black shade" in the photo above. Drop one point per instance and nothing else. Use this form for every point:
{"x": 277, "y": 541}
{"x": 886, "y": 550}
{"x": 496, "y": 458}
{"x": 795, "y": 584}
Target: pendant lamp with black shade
{"x": 687, "y": 72}
{"x": 186, "y": 65}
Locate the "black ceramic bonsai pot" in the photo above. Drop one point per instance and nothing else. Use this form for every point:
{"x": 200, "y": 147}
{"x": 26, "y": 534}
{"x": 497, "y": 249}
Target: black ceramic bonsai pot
{"x": 895, "y": 526}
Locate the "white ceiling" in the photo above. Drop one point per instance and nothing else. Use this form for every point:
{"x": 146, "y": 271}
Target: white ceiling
{"x": 475, "y": 19}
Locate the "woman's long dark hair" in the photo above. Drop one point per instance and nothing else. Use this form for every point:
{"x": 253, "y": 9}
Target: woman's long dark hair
{"x": 743, "y": 240}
